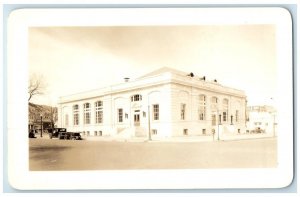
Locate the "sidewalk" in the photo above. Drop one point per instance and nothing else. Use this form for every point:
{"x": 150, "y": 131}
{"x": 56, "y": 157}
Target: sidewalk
{"x": 45, "y": 136}
{"x": 206, "y": 138}
{"x": 246, "y": 136}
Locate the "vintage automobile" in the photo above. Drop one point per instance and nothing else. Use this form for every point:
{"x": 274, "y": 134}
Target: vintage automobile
{"x": 69, "y": 136}
{"x": 257, "y": 130}
{"x": 57, "y": 133}
{"x": 62, "y": 134}
{"x": 31, "y": 134}
{"x": 74, "y": 136}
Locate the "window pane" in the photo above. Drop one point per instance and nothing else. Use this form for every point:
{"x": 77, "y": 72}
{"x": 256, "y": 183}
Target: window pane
{"x": 120, "y": 115}
{"x": 99, "y": 112}
{"x": 202, "y": 107}
{"x": 136, "y": 97}
{"x": 182, "y": 111}
{"x": 87, "y": 111}
{"x": 76, "y": 115}
{"x": 156, "y": 112}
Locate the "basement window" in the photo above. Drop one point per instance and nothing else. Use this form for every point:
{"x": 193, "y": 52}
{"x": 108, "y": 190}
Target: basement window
{"x": 154, "y": 131}
{"x": 185, "y": 131}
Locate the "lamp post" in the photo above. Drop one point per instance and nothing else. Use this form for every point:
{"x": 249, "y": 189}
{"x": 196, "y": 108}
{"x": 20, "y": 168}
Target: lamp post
{"x": 41, "y": 125}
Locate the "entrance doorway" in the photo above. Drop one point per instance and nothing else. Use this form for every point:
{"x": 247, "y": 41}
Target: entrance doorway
{"x": 136, "y": 118}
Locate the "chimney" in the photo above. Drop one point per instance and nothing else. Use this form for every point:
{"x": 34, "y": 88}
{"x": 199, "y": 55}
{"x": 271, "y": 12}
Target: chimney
{"x": 191, "y": 74}
{"x": 126, "y": 79}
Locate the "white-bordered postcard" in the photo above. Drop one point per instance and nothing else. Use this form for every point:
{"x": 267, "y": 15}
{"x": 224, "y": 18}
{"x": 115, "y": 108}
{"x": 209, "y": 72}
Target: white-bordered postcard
{"x": 150, "y": 98}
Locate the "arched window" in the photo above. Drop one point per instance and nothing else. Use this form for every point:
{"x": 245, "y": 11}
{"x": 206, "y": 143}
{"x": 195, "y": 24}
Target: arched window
{"x": 99, "y": 112}
{"x": 75, "y": 114}
{"x": 66, "y": 120}
{"x": 136, "y": 97}
{"x": 87, "y": 113}
{"x": 214, "y": 104}
{"x": 225, "y": 110}
{"x": 202, "y": 107}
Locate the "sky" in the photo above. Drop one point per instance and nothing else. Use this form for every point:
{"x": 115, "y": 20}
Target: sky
{"x": 78, "y": 59}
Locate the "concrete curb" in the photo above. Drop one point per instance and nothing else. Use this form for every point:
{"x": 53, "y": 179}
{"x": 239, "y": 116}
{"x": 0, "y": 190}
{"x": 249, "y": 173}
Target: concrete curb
{"x": 182, "y": 139}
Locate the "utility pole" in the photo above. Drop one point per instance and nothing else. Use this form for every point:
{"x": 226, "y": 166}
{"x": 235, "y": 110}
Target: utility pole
{"x": 219, "y": 122}
{"x": 41, "y": 125}
{"x": 274, "y": 124}
{"x": 149, "y": 128}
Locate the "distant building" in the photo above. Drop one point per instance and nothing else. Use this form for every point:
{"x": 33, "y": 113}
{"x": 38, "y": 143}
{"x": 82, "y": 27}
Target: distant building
{"x": 41, "y": 116}
{"x": 262, "y": 118}
{"x": 163, "y": 103}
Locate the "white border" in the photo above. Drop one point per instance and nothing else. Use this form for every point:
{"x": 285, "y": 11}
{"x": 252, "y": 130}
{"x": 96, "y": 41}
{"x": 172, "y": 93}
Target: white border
{"x": 21, "y": 178}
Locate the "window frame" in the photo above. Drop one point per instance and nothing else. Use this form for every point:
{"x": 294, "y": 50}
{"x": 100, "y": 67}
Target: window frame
{"x": 214, "y": 103}
{"x": 86, "y": 113}
{"x": 76, "y": 115}
{"x": 237, "y": 115}
{"x": 182, "y": 111}
{"x": 99, "y": 112}
{"x": 136, "y": 97}
{"x": 155, "y": 109}
{"x": 225, "y": 109}
{"x": 202, "y": 107}
{"x": 120, "y": 115}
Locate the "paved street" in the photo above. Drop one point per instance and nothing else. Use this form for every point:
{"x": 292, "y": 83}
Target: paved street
{"x": 46, "y": 154}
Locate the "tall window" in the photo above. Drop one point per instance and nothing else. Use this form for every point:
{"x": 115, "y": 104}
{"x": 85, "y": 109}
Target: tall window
{"x": 120, "y": 115}
{"x": 225, "y": 110}
{"x": 156, "y": 112}
{"x": 66, "y": 120}
{"x": 87, "y": 113}
{"x": 99, "y": 112}
{"x": 182, "y": 111}
{"x": 214, "y": 104}
{"x": 136, "y": 97}
{"x": 202, "y": 107}
{"x": 236, "y": 115}
{"x": 76, "y": 115}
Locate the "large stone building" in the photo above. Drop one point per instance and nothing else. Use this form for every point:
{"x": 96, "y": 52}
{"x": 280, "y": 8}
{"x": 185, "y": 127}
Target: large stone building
{"x": 163, "y": 103}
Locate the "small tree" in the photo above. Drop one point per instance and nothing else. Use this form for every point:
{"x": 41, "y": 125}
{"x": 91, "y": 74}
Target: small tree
{"x": 36, "y": 86}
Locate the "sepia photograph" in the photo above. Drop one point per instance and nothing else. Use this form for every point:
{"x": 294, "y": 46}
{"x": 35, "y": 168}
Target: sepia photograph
{"x": 154, "y": 96}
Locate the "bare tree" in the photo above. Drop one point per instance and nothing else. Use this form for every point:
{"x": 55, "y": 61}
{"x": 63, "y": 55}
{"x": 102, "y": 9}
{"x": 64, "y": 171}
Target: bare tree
{"x": 36, "y": 86}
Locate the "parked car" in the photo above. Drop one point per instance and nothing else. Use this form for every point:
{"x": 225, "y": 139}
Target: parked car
{"x": 63, "y": 136}
{"x": 57, "y": 132}
{"x": 31, "y": 134}
{"x": 74, "y": 136}
{"x": 257, "y": 130}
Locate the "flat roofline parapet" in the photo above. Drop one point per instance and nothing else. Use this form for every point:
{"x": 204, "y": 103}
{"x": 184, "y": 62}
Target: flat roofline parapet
{"x": 208, "y": 85}
{"x": 159, "y": 79}
{"x": 117, "y": 88}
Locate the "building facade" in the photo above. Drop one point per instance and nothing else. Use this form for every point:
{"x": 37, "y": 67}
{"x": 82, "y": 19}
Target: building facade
{"x": 41, "y": 117}
{"x": 163, "y": 103}
{"x": 262, "y": 118}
